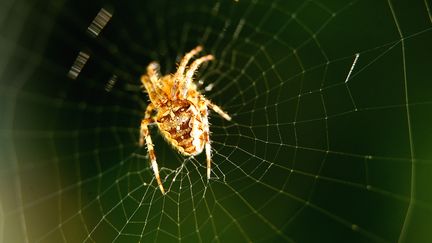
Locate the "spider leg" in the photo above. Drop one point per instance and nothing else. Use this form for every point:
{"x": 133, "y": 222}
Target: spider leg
{"x": 182, "y": 67}
{"x": 150, "y": 86}
{"x": 218, "y": 110}
{"x": 147, "y": 120}
{"x": 207, "y": 144}
{"x": 191, "y": 71}
{"x": 145, "y": 135}
{"x": 153, "y": 71}
{"x": 208, "y": 156}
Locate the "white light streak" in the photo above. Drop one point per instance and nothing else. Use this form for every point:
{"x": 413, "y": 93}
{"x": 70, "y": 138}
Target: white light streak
{"x": 78, "y": 65}
{"x": 352, "y": 67}
{"x": 111, "y": 83}
{"x": 99, "y": 22}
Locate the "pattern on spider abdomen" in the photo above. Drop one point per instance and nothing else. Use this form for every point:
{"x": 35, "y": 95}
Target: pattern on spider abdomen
{"x": 183, "y": 128}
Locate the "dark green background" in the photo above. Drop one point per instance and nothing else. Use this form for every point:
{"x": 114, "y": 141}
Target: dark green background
{"x": 306, "y": 158}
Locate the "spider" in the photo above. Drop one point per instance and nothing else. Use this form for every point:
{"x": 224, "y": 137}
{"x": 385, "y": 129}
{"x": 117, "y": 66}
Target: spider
{"x": 179, "y": 110}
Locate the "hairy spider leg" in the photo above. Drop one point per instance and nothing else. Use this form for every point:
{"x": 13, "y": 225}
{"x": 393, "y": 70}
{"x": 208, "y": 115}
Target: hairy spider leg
{"x": 180, "y": 71}
{"x": 150, "y": 81}
{"x": 191, "y": 71}
{"x": 153, "y": 71}
{"x": 145, "y": 135}
{"x": 154, "y": 96}
{"x": 217, "y": 109}
{"x": 207, "y": 143}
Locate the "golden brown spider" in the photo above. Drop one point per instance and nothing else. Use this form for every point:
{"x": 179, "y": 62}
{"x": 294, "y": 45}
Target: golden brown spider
{"x": 181, "y": 111}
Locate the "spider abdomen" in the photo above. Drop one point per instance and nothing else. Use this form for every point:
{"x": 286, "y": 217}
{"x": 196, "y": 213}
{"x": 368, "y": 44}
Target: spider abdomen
{"x": 182, "y": 127}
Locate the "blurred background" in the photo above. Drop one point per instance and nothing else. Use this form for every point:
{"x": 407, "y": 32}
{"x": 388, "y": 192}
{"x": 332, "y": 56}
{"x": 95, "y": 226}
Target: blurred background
{"x": 314, "y": 152}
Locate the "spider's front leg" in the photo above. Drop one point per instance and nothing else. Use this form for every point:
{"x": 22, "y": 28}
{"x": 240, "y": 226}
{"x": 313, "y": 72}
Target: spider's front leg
{"x": 178, "y": 76}
{"x": 153, "y": 71}
{"x": 145, "y": 135}
{"x": 191, "y": 71}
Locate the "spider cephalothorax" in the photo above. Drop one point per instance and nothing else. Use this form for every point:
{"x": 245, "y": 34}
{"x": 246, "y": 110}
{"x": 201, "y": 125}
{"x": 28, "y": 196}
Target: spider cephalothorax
{"x": 179, "y": 110}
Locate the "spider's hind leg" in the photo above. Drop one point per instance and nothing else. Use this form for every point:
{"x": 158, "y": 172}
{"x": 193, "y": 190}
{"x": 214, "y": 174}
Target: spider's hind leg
{"x": 145, "y": 136}
{"x": 208, "y": 157}
{"x": 207, "y": 144}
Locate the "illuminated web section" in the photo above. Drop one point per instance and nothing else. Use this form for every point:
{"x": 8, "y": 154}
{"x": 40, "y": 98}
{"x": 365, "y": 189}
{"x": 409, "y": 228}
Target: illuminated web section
{"x": 329, "y": 139}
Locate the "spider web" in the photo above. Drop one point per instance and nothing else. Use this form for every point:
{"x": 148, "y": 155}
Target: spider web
{"x": 313, "y": 153}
